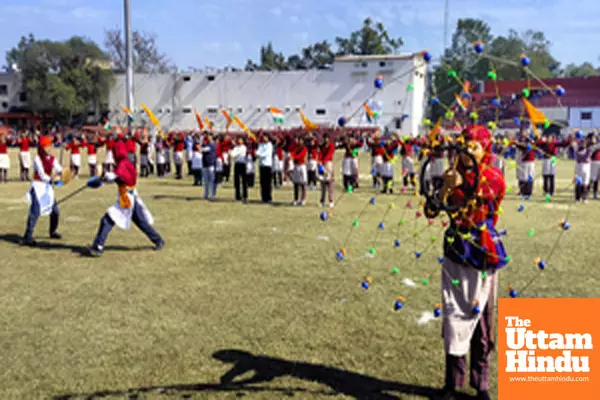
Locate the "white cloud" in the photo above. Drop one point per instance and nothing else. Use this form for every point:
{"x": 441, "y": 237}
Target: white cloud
{"x": 295, "y": 19}
{"x": 277, "y": 11}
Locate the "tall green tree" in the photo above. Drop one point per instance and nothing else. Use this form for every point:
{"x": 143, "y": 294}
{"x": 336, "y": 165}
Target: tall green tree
{"x": 577, "y": 71}
{"x": 371, "y": 38}
{"x": 65, "y": 79}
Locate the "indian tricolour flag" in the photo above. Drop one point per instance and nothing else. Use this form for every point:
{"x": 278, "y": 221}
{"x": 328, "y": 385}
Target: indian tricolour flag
{"x": 277, "y": 115}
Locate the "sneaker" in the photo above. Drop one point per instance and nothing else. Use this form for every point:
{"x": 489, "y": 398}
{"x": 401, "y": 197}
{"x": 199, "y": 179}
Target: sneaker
{"x": 302, "y": 203}
{"x": 55, "y": 235}
{"x": 331, "y": 205}
{"x": 94, "y": 251}
{"x": 159, "y": 246}
{"x": 294, "y": 203}
{"x": 585, "y": 201}
{"x": 29, "y": 242}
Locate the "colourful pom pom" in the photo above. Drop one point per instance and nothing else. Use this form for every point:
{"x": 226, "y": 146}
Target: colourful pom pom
{"x": 560, "y": 91}
{"x": 452, "y": 74}
{"x": 396, "y": 243}
{"x": 479, "y": 47}
{"x": 426, "y": 56}
{"x": 525, "y": 60}
{"x": 492, "y": 75}
{"x": 378, "y": 83}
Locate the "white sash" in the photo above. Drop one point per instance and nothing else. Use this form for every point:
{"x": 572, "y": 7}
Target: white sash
{"x": 122, "y": 216}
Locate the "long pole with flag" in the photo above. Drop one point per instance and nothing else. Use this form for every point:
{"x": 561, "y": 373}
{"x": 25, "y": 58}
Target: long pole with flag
{"x": 128, "y": 60}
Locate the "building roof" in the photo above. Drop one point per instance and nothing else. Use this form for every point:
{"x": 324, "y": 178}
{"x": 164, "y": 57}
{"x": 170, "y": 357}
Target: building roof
{"x": 384, "y": 57}
{"x": 579, "y": 92}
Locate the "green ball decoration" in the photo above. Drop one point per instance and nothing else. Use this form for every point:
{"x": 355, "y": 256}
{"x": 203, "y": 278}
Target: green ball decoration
{"x": 553, "y": 160}
{"x": 483, "y": 275}
{"x": 531, "y": 232}
{"x": 410, "y": 87}
{"x": 474, "y": 115}
{"x": 492, "y": 75}
{"x": 395, "y": 271}
{"x": 546, "y": 124}
{"x": 526, "y": 92}
{"x": 372, "y": 250}
{"x": 449, "y": 114}
{"x": 425, "y": 281}
{"x": 455, "y": 282}
{"x": 401, "y": 222}
{"x": 508, "y": 259}
{"x": 548, "y": 198}
{"x": 355, "y": 223}
{"x": 433, "y": 239}
{"x": 452, "y": 74}
{"x": 355, "y": 153}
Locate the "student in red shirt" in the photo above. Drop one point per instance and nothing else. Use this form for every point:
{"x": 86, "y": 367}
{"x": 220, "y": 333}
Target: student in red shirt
{"x": 92, "y": 147}
{"x": 178, "y": 146}
{"x": 131, "y": 147}
{"x": 74, "y": 147}
{"x": 325, "y": 169}
{"x": 278, "y": 163}
{"x": 4, "y": 159}
{"x": 299, "y": 174}
{"x": 24, "y": 156}
{"x": 313, "y": 161}
{"x": 227, "y": 145}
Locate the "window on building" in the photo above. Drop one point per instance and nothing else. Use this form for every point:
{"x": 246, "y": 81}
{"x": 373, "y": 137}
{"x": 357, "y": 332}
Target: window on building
{"x": 3, "y": 90}
{"x": 210, "y": 78}
{"x": 187, "y": 110}
{"x": 586, "y": 116}
{"x": 364, "y": 64}
{"x": 22, "y": 97}
{"x": 212, "y": 110}
{"x": 187, "y": 78}
{"x": 398, "y": 123}
{"x": 240, "y": 110}
{"x": 382, "y": 63}
{"x": 321, "y": 111}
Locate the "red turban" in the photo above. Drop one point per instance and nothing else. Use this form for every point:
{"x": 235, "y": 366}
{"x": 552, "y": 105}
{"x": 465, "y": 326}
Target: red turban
{"x": 45, "y": 141}
{"x": 480, "y": 134}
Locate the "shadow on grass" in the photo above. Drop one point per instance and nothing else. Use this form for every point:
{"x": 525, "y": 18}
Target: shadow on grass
{"x": 219, "y": 200}
{"x": 267, "y": 369}
{"x": 58, "y": 245}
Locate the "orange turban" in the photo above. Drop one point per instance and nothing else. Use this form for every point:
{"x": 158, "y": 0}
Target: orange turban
{"x": 45, "y": 141}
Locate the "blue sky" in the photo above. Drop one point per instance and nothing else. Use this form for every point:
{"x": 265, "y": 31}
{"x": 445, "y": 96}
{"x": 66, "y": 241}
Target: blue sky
{"x": 228, "y": 32}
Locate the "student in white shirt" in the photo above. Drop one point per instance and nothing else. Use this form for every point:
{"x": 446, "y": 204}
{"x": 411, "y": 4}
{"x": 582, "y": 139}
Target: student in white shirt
{"x": 238, "y": 155}
{"x": 265, "y": 163}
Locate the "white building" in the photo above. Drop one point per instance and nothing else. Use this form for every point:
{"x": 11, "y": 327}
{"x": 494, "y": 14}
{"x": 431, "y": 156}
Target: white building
{"x": 323, "y": 95}
{"x": 10, "y": 92}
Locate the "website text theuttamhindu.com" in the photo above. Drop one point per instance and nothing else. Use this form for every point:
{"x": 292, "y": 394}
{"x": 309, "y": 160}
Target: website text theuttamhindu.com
{"x": 557, "y": 379}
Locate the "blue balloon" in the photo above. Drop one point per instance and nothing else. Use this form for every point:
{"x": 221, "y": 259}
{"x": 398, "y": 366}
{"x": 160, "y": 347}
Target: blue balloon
{"x": 342, "y": 121}
{"x": 321, "y": 170}
{"x": 378, "y": 83}
{"x": 517, "y": 121}
{"x": 476, "y": 310}
{"x": 437, "y": 312}
{"x": 496, "y": 102}
{"x": 525, "y": 61}
{"x": 398, "y": 305}
{"x": 560, "y": 91}
{"x": 427, "y": 56}
{"x": 513, "y": 293}
{"x": 479, "y": 47}
{"x": 365, "y": 285}
{"x": 579, "y": 134}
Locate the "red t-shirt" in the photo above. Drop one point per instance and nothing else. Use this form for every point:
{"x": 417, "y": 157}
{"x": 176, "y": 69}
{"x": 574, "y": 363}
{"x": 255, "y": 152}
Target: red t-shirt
{"x": 74, "y": 147}
{"x": 3, "y": 148}
{"x": 130, "y": 145}
{"x": 326, "y": 153}
{"x": 24, "y": 144}
{"x": 299, "y": 155}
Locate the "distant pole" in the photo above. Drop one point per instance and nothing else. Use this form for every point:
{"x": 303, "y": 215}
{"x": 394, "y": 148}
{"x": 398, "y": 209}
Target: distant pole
{"x": 446, "y": 12}
{"x": 128, "y": 60}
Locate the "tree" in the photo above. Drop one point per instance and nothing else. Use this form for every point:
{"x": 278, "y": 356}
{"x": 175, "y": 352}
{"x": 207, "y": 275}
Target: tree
{"x": 64, "y": 79}
{"x": 583, "y": 70}
{"x": 146, "y": 56}
{"x": 371, "y": 39}
{"x": 317, "y": 55}
{"x": 270, "y": 60}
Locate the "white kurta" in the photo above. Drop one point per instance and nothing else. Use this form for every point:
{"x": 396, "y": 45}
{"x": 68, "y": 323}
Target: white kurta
{"x": 110, "y": 158}
{"x": 299, "y": 175}
{"x": 349, "y": 167}
{"x": 122, "y": 216}
{"x": 4, "y": 161}
{"x": 250, "y": 165}
{"x": 327, "y": 173}
{"x": 408, "y": 166}
{"x": 376, "y": 163}
{"x": 277, "y": 164}
{"x": 43, "y": 189}
{"x": 584, "y": 171}
{"x": 25, "y": 158}
{"x": 76, "y": 160}
{"x": 92, "y": 160}
{"x": 197, "y": 160}
{"x": 387, "y": 170}
{"x": 548, "y": 168}
{"x": 595, "y": 171}
{"x": 459, "y": 319}
{"x": 526, "y": 170}
{"x": 312, "y": 165}
{"x": 178, "y": 157}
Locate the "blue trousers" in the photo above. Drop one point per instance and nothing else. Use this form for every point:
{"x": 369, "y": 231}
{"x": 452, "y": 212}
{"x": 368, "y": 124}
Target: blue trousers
{"x": 210, "y": 181}
{"x": 34, "y": 214}
{"x": 138, "y": 218}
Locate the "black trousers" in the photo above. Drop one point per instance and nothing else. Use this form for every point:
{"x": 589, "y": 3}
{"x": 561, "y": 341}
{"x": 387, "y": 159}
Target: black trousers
{"x": 251, "y": 179}
{"x": 240, "y": 181}
{"x": 312, "y": 177}
{"x": 387, "y": 185}
{"x": 226, "y": 171}
{"x": 409, "y": 178}
{"x": 197, "y": 177}
{"x": 277, "y": 179}
{"x": 34, "y": 214}
{"x": 549, "y": 184}
{"x": 266, "y": 189}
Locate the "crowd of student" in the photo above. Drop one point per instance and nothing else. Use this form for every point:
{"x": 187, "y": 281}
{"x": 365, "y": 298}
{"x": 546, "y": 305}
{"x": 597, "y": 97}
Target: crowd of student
{"x": 306, "y": 160}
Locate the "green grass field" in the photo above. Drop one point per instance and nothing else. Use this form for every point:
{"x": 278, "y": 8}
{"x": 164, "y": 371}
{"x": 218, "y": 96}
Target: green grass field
{"x": 242, "y": 288}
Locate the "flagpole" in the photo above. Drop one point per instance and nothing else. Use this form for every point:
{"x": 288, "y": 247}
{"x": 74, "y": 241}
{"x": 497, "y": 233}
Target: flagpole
{"x": 128, "y": 60}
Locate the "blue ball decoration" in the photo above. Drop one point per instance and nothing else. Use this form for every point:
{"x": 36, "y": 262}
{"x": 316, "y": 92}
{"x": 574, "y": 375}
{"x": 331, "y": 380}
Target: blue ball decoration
{"x": 340, "y": 256}
{"x": 530, "y": 178}
{"x": 542, "y": 265}
{"x": 434, "y": 100}
{"x": 437, "y": 312}
{"x": 528, "y": 147}
{"x": 476, "y": 310}
{"x": 566, "y": 226}
{"x": 378, "y": 83}
{"x": 579, "y": 180}
{"x": 372, "y": 200}
{"x": 496, "y": 102}
{"x": 427, "y": 56}
{"x": 398, "y": 305}
{"x": 417, "y": 254}
{"x": 396, "y": 243}
{"x": 579, "y": 134}
{"x": 321, "y": 170}
{"x": 440, "y": 260}
{"x": 324, "y": 216}
{"x": 342, "y": 122}
{"x": 521, "y": 208}
{"x": 512, "y": 293}
{"x": 525, "y": 61}
{"x": 381, "y": 226}
{"x": 365, "y": 285}
{"x": 560, "y": 91}
{"x": 373, "y": 171}
{"x": 517, "y": 121}
{"x": 479, "y": 47}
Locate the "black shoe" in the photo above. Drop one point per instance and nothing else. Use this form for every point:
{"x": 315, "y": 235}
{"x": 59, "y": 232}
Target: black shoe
{"x": 93, "y": 251}
{"x": 55, "y": 235}
{"x": 29, "y": 242}
{"x": 483, "y": 395}
{"x": 159, "y": 246}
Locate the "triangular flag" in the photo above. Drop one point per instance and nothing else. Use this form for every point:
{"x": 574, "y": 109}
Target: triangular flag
{"x": 129, "y": 113}
{"x": 460, "y": 102}
{"x": 310, "y": 126}
{"x": 209, "y": 123}
{"x": 244, "y": 128}
{"x": 228, "y": 118}
{"x": 535, "y": 116}
{"x": 199, "y": 120}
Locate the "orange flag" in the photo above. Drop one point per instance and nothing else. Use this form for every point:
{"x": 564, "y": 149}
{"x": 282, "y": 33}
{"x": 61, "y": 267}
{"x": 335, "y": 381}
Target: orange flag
{"x": 199, "y": 120}
{"x": 535, "y": 116}
{"x": 228, "y": 118}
